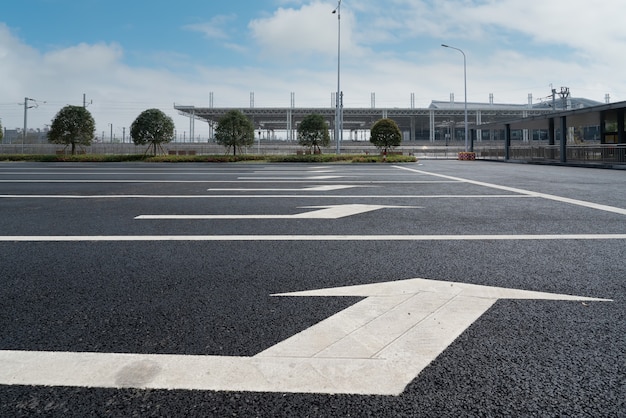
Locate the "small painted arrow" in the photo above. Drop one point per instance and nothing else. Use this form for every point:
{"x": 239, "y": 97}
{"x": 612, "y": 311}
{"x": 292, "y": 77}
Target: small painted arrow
{"x": 376, "y": 346}
{"x": 291, "y": 178}
{"x": 322, "y": 188}
{"x": 325, "y": 212}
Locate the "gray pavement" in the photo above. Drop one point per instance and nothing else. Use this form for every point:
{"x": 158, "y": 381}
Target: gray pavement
{"x": 83, "y": 274}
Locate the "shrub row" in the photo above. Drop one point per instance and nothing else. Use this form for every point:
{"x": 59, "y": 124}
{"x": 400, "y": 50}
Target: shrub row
{"x": 312, "y": 158}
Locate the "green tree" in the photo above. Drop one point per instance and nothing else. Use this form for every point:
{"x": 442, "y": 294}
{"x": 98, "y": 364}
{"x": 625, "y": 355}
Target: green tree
{"x": 313, "y": 132}
{"x": 152, "y": 127}
{"x": 73, "y": 125}
{"x": 385, "y": 134}
{"x": 234, "y": 130}
{"x": 1, "y": 132}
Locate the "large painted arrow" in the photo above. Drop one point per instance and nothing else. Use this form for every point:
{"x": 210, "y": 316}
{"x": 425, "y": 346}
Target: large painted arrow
{"x": 376, "y": 346}
{"x": 324, "y": 212}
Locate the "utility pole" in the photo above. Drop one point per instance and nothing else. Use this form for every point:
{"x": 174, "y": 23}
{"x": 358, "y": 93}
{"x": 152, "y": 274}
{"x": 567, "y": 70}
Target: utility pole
{"x": 26, "y": 99}
{"x": 85, "y": 104}
{"x": 26, "y": 107}
{"x": 564, "y": 93}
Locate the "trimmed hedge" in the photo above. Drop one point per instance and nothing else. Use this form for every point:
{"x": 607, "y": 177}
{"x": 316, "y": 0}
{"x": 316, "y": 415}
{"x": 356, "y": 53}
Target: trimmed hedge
{"x": 305, "y": 158}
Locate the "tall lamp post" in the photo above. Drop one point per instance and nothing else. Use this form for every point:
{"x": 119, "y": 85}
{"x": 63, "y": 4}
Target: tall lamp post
{"x": 465, "y": 87}
{"x": 338, "y": 98}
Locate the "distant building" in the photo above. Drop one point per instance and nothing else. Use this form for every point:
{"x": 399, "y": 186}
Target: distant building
{"x": 34, "y": 136}
{"x": 12, "y": 136}
{"x": 442, "y": 121}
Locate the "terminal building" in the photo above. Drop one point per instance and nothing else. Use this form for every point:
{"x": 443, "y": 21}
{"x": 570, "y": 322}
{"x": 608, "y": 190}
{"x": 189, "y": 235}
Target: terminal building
{"x": 441, "y": 122}
{"x": 565, "y": 130}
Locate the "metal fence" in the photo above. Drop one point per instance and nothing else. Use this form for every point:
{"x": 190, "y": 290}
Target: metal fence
{"x": 422, "y": 149}
{"x": 593, "y": 154}
{"x": 596, "y": 154}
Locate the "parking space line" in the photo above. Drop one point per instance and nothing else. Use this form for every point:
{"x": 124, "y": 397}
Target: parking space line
{"x": 577, "y": 202}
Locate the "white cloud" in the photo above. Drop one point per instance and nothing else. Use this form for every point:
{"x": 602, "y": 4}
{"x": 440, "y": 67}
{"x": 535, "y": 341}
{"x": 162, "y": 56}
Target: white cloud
{"x": 309, "y": 31}
{"x": 62, "y": 76}
{"x": 216, "y": 28}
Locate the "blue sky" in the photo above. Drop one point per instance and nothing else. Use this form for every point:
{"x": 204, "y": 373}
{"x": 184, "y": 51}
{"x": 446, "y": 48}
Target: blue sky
{"x": 127, "y": 56}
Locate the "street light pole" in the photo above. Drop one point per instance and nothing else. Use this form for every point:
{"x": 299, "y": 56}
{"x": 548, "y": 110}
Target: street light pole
{"x": 338, "y": 97}
{"x": 465, "y": 88}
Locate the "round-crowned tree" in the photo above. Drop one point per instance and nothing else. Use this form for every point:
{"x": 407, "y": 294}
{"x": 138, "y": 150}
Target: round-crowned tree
{"x": 385, "y": 134}
{"x": 313, "y": 132}
{"x": 234, "y": 130}
{"x": 152, "y": 127}
{"x": 73, "y": 125}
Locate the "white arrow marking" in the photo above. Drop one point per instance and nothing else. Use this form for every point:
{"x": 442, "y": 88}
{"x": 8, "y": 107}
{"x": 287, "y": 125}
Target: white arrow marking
{"x": 326, "y": 188}
{"x": 291, "y": 178}
{"x": 313, "y": 170}
{"x": 376, "y": 346}
{"x": 326, "y": 212}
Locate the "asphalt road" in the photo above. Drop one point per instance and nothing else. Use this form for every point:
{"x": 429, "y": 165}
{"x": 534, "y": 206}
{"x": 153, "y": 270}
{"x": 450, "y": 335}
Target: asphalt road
{"x": 82, "y": 273}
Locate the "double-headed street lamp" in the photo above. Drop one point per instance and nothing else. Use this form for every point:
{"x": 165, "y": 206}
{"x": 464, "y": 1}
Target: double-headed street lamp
{"x": 338, "y": 97}
{"x": 465, "y": 87}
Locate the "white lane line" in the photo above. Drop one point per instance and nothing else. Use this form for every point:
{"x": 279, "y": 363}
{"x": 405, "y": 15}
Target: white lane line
{"x": 114, "y": 238}
{"x": 294, "y": 180}
{"x": 127, "y": 171}
{"x": 325, "y": 212}
{"x": 111, "y": 181}
{"x": 258, "y": 196}
{"x": 577, "y": 202}
{"x": 375, "y": 347}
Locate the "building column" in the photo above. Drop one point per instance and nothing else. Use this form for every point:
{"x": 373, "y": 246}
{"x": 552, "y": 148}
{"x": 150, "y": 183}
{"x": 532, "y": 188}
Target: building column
{"x": 507, "y": 141}
{"x": 479, "y": 121}
{"x": 621, "y": 136}
{"x": 603, "y": 127}
{"x": 563, "y": 138}
{"x": 431, "y": 134}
